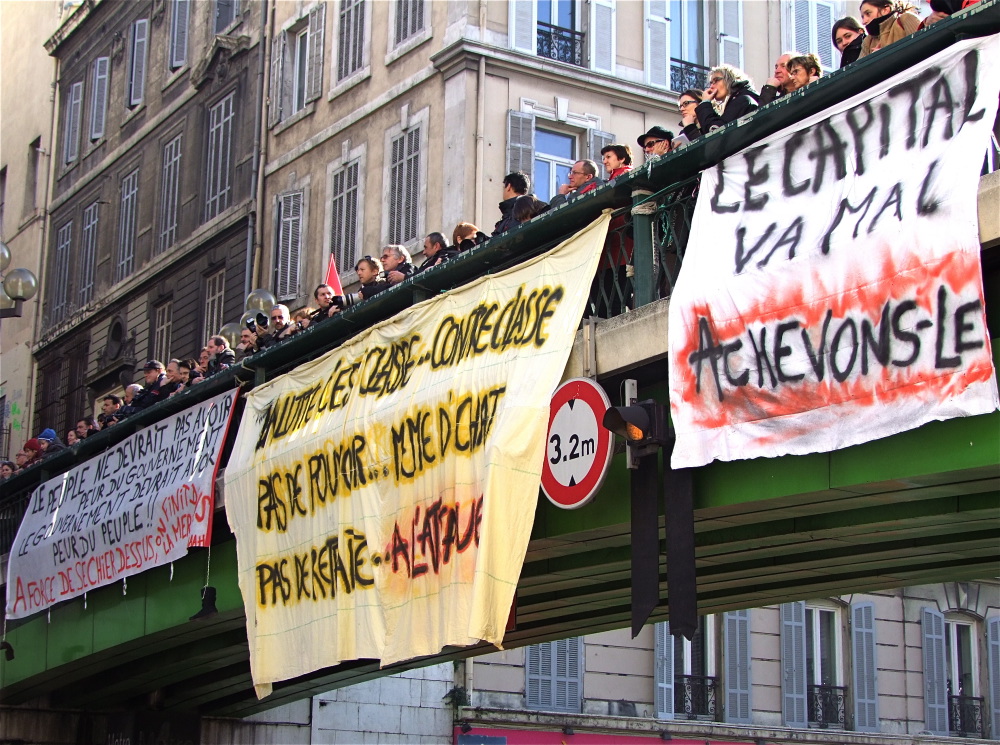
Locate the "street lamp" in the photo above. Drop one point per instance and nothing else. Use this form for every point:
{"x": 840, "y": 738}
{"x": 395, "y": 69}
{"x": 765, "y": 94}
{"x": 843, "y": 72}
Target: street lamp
{"x": 19, "y": 285}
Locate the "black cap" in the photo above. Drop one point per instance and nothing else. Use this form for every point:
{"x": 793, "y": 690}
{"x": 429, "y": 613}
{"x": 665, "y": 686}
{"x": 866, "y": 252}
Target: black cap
{"x": 152, "y": 365}
{"x": 655, "y": 131}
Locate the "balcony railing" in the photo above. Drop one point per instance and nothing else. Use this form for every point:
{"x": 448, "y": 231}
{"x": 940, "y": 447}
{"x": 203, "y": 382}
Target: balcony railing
{"x": 694, "y": 696}
{"x": 560, "y": 44}
{"x": 827, "y": 706}
{"x": 965, "y": 716}
{"x": 686, "y": 75}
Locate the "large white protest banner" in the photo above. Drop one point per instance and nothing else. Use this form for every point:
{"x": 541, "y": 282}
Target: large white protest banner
{"x": 382, "y": 496}
{"x": 139, "y": 505}
{"x": 831, "y": 291}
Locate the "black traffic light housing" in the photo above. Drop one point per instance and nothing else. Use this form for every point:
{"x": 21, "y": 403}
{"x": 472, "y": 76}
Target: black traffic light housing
{"x": 643, "y": 425}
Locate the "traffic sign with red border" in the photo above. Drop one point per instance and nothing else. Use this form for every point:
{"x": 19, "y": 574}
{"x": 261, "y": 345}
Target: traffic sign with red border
{"x": 578, "y": 448}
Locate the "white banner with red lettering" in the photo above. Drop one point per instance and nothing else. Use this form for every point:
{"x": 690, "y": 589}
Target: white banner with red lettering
{"x": 831, "y": 291}
{"x": 139, "y": 505}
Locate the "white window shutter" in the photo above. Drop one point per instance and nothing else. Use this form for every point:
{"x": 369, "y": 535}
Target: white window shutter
{"x": 935, "y": 675}
{"x": 825, "y": 16}
{"x": 800, "y": 38}
{"x": 74, "y": 105}
{"x": 137, "y": 81}
{"x": 289, "y": 246}
{"x": 538, "y": 670}
{"x": 737, "y": 644}
{"x": 663, "y": 671}
{"x": 793, "y": 664}
{"x": 522, "y": 26}
{"x": 179, "y": 33}
{"x": 657, "y": 43}
{"x": 568, "y": 682}
{"x": 602, "y": 33}
{"x": 863, "y": 654}
{"x": 731, "y": 32}
{"x": 99, "y": 99}
{"x": 993, "y": 655}
{"x": 520, "y": 142}
{"x": 317, "y": 26}
{"x": 596, "y": 140}
{"x": 277, "y": 84}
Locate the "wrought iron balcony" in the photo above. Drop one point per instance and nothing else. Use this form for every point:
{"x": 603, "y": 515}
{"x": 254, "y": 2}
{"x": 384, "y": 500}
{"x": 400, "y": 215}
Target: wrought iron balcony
{"x": 694, "y": 696}
{"x": 685, "y": 75}
{"x": 560, "y": 44}
{"x": 826, "y": 706}
{"x": 965, "y": 716}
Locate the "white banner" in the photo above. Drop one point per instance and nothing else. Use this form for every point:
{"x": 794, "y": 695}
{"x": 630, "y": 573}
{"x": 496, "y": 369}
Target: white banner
{"x": 382, "y": 496}
{"x": 139, "y": 505}
{"x": 831, "y": 291}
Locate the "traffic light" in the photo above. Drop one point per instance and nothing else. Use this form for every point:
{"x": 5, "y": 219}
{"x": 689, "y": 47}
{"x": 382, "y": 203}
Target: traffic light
{"x": 643, "y": 425}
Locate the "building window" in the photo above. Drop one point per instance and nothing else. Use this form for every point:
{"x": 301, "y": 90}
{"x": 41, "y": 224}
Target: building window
{"x": 163, "y": 323}
{"x": 555, "y": 153}
{"x": 31, "y": 173}
{"x": 59, "y": 294}
{"x": 179, "y": 33}
{"x": 226, "y": 12}
{"x": 126, "y": 226}
{"x": 345, "y": 214}
{"x": 297, "y": 66}
{"x": 99, "y": 98}
{"x": 137, "y": 62}
{"x": 286, "y": 269}
{"x": 408, "y": 20}
{"x": 688, "y": 58}
{"x": 809, "y": 28}
{"x": 215, "y": 296}
{"x": 549, "y": 28}
{"x": 965, "y": 706}
{"x": 554, "y": 675}
{"x": 3, "y": 197}
{"x": 351, "y": 38}
{"x": 404, "y": 186}
{"x": 169, "y": 190}
{"x": 824, "y": 692}
{"x": 71, "y": 129}
{"x": 88, "y": 254}
{"x": 686, "y": 686}
{"x": 220, "y": 142}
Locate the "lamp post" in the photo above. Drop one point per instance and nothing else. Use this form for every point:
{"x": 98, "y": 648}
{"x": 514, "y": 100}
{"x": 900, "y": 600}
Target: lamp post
{"x": 19, "y": 285}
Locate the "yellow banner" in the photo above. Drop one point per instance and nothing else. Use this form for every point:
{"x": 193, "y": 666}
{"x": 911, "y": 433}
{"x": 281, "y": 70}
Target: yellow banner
{"x": 382, "y": 496}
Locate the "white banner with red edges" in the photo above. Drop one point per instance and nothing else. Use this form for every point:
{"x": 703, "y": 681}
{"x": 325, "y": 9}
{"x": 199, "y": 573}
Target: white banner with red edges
{"x": 139, "y": 505}
{"x": 831, "y": 291}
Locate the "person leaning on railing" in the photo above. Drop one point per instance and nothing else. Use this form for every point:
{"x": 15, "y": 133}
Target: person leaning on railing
{"x": 848, "y": 36}
{"x": 729, "y": 96}
{"x": 886, "y": 21}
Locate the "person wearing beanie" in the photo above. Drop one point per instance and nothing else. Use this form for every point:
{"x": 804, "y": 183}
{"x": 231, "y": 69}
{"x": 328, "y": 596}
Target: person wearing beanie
{"x": 32, "y": 451}
{"x": 50, "y": 442}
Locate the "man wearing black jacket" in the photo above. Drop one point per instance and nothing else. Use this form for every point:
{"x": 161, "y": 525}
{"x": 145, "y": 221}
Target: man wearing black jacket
{"x": 153, "y": 373}
{"x": 515, "y": 184}
{"x": 396, "y": 264}
{"x": 436, "y": 251}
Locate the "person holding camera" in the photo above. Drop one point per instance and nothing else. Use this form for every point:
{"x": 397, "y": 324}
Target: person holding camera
{"x": 268, "y": 336}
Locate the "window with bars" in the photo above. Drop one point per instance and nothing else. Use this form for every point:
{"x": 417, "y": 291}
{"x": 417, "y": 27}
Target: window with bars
{"x": 88, "y": 253}
{"x": 220, "y": 142}
{"x": 215, "y": 296}
{"x": 137, "y": 63}
{"x": 169, "y": 190}
{"x": 126, "y": 226}
{"x": 71, "y": 128}
{"x": 163, "y": 323}
{"x": 286, "y": 269}
{"x": 554, "y": 675}
{"x": 179, "y": 20}
{"x": 404, "y": 187}
{"x": 59, "y": 293}
{"x": 352, "y": 40}
{"x": 408, "y": 20}
{"x": 345, "y": 214}
{"x": 226, "y": 12}
{"x": 99, "y": 97}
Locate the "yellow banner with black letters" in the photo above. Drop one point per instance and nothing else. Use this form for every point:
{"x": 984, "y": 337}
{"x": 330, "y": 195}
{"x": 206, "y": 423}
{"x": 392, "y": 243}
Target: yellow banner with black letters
{"x": 382, "y": 495}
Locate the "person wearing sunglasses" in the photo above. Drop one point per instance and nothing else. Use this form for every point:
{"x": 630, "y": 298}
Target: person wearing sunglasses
{"x": 729, "y": 96}
{"x": 657, "y": 141}
{"x": 279, "y": 322}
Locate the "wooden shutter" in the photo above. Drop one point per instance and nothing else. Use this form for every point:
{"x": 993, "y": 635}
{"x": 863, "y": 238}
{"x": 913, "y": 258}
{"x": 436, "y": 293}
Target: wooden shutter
{"x": 793, "y": 664}
{"x": 596, "y": 139}
{"x": 99, "y": 99}
{"x": 520, "y": 142}
{"x": 137, "y": 79}
{"x": 657, "y": 43}
{"x": 538, "y": 670}
{"x": 276, "y": 87}
{"x": 289, "y": 239}
{"x": 825, "y": 16}
{"x": 567, "y": 681}
{"x": 993, "y": 656}
{"x": 800, "y": 38}
{"x": 737, "y": 645}
{"x": 74, "y": 105}
{"x": 603, "y": 46}
{"x": 935, "y": 674}
{"x": 863, "y": 654}
{"x": 663, "y": 671}
{"x": 522, "y": 23}
{"x": 179, "y": 33}
{"x": 731, "y": 32}
{"x": 317, "y": 26}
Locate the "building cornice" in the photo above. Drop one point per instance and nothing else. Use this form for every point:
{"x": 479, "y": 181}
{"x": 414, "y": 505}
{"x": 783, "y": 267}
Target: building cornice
{"x": 66, "y": 29}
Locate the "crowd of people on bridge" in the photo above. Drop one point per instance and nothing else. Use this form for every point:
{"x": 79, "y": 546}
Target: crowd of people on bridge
{"x": 729, "y": 95}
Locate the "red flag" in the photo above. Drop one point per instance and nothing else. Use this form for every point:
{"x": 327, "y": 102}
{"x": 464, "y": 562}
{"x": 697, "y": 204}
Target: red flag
{"x": 333, "y": 276}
